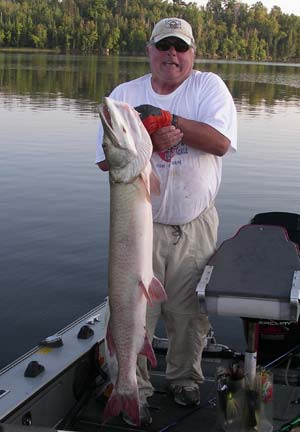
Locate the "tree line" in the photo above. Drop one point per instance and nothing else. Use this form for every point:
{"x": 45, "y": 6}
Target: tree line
{"x": 225, "y": 29}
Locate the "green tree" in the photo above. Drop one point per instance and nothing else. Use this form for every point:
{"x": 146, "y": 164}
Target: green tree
{"x": 222, "y": 29}
{"x": 39, "y": 37}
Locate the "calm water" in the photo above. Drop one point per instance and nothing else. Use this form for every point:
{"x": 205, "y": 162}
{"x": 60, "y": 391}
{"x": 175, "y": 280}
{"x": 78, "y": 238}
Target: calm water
{"x": 54, "y": 201}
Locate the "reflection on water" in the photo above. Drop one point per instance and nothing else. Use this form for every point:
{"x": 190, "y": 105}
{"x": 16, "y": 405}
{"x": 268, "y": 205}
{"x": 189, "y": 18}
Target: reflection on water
{"x": 54, "y": 201}
{"x": 84, "y": 80}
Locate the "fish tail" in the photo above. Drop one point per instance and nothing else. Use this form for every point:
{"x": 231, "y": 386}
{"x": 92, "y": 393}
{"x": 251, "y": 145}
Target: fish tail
{"x": 156, "y": 290}
{"x": 128, "y": 404}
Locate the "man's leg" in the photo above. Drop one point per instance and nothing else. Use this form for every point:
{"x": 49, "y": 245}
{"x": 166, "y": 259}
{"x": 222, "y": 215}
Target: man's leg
{"x": 186, "y": 326}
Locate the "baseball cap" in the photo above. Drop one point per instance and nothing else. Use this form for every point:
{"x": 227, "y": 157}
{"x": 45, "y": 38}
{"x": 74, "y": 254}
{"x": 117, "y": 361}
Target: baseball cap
{"x": 175, "y": 27}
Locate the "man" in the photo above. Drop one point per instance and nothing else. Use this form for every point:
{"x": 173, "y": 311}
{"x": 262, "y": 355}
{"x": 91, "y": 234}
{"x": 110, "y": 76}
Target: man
{"x": 191, "y": 118}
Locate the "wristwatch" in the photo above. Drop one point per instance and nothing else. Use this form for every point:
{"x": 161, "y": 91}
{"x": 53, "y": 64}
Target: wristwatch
{"x": 175, "y": 120}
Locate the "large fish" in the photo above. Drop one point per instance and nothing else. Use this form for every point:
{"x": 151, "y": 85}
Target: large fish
{"x": 128, "y": 149}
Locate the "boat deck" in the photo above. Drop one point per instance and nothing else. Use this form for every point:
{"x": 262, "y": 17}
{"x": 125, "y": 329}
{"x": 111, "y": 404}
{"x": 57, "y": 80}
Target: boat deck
{"x": 70, "y": 393}
{"x": 168, "y": 416}
{"x": 86, "y": 414}
{"x": 165, "y": 413}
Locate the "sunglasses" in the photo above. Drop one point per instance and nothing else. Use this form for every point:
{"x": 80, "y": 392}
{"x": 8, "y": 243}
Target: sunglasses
{"x": 165, "y": 45}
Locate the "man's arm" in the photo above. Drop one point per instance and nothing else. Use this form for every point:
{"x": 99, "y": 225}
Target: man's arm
{"x": 167, "y": 129}
{"x": 195, "y": 134}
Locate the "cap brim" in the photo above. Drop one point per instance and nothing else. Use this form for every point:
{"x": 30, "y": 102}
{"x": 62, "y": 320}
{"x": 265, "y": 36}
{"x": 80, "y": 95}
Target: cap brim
{"x": 186, "y": 39}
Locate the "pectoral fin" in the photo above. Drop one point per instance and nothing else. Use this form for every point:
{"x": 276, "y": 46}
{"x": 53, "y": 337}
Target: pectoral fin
{"x": 154, "y": 183}
{"x": 146, "y": 181}
{"x": 144, "y": 289}
{"x": 110, "y": 341}
{"x": 147, "y": 351}
{"x": 156, "y": 290}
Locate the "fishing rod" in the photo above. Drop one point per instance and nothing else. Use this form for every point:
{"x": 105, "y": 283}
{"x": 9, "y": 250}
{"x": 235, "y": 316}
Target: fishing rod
{"x": 282, "y": 356}
{"x": 210, "y": 401}
{"x": 287, "y": 427}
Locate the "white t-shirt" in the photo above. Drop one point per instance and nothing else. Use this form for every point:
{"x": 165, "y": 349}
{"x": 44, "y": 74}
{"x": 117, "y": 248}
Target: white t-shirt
{"x": 189, "y": 178}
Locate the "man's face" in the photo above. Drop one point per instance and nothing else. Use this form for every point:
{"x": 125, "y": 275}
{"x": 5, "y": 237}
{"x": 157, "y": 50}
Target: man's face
{"x": 171, "y": 60}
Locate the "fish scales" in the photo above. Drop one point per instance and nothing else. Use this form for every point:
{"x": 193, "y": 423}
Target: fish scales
{"x": 128, "y": 149}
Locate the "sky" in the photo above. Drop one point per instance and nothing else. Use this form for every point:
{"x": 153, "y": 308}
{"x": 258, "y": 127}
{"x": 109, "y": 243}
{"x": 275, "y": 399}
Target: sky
{"x": 287, "y": 6}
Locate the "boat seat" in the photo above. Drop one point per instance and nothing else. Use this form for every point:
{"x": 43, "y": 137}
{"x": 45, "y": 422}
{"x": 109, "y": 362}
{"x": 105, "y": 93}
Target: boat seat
{"x": 274, "y": 339}
{"x": 290, "y": 221}
{"x": 255, "y": 274}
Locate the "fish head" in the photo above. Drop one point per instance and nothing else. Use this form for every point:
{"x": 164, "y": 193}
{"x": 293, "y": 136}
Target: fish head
{"x": 126, "y": 143}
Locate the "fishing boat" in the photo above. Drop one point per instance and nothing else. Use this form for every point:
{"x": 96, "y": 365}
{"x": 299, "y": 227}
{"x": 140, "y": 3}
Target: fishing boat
{"x": 63, "y": 383}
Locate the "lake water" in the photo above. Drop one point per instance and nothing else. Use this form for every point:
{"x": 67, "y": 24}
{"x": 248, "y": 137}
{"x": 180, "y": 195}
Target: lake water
{"x": 54, "y": 200}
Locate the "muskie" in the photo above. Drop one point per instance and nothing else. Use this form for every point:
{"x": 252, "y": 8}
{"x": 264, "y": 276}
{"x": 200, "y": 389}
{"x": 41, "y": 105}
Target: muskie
{"x": 128, "y": 149}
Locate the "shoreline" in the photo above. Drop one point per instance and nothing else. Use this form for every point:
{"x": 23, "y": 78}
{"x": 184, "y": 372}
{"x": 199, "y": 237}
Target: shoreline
{"x": 29, "y": 50}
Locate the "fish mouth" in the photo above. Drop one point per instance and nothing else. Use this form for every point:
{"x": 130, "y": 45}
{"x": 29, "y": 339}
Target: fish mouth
{"x": 106, "y": 114}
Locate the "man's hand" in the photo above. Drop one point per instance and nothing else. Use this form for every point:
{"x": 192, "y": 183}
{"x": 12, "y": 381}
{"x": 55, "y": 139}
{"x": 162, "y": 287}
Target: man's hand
{"x": 155, "y": 118}
{"x": 165, "y": 138}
